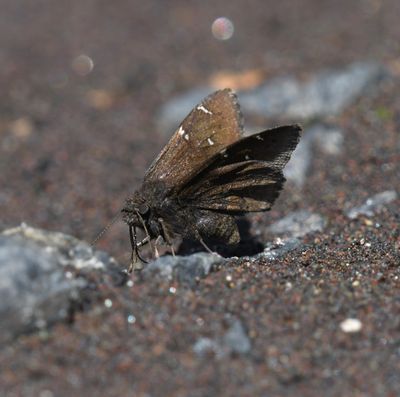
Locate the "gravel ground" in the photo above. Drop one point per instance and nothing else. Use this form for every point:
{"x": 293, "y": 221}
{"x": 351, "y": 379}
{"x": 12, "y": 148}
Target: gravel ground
{"x": 314, "y": 309}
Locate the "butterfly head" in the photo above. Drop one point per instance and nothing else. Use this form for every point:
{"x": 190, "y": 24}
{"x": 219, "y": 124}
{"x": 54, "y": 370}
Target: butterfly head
{"x": 135, "y": 210}
{"x": 136, "y": 213}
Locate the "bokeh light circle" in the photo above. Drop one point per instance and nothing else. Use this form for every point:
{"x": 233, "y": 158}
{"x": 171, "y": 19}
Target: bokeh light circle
{"x": 82, "y": 65}
{"x": 222, "y": 28}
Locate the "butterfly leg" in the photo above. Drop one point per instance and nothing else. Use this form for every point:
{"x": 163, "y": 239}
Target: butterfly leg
{"x": 158, "y": 241}
{"x": 206, "y": 246}
{"x": 202, "y": 242}
{"x": 167, "y": 236}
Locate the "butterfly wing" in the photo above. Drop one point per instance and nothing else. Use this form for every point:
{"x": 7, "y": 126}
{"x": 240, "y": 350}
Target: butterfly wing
{"x": 211, "y": 126}
{"x": 246, "y": 176}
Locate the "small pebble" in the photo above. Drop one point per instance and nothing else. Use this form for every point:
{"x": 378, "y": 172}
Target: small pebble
{"x": 351, "y": 325}
{"x": 129, "y": 283}
{"x": 131, "y": 319}
{"x": 288, "y": 286}
{"x": 108, "y": 303}
{"x": 206, "y": 345}
{"x": 236, "y": 339}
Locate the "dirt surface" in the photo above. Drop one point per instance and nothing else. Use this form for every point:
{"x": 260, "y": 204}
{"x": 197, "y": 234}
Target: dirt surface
{"x": 75, "y": 143}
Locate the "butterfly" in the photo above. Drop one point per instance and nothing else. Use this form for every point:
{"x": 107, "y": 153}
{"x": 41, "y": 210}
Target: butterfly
{"x": 207, "y": 174}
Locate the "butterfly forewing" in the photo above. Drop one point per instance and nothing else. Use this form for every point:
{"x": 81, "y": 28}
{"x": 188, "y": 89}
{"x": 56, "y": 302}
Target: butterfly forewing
{"x": 210, "y": 127}
{"x": 247, "y": 175}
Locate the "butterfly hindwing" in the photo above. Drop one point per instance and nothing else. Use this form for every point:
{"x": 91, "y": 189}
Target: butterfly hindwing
{"x": 247, "y": 175}
{"x": 210, "y": 127}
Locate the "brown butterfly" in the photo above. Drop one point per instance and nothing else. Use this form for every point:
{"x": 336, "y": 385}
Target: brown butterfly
{"x": 207, "y": 173}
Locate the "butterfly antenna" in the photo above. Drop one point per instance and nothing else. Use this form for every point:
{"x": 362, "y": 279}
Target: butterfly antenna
{"x": 103, "y": 232}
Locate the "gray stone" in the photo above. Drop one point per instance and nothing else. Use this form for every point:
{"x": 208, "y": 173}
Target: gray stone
{"x": 35, "y": 289}
{"x": 185, "y": 269}
{"x": 327, "y": 94}
{"x": 373, "y": 204}
{"x": 297, "y": 168}
{"x": 236, "y": 340}
{"x": 298, "y": 224}
{"x": 328, "y": 138}
{"x": 278, "y": 249}
{"x": 204, "y": 346}
{"x": 70, "y": 250}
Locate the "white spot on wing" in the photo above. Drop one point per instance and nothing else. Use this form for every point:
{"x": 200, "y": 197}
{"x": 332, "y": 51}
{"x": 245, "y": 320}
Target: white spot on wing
{"x": 203, "y": 109}
{"x": 259, "y": 137}
{"x": 186, "y": 136}
{"x": 181, "y": 131}
{"x": 247, "y": 157}
{"x": 210, "y": 141}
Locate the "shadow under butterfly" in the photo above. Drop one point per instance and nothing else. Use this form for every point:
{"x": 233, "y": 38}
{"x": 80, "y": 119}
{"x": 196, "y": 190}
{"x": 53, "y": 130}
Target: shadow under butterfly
{"x": 207, "y": 174}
